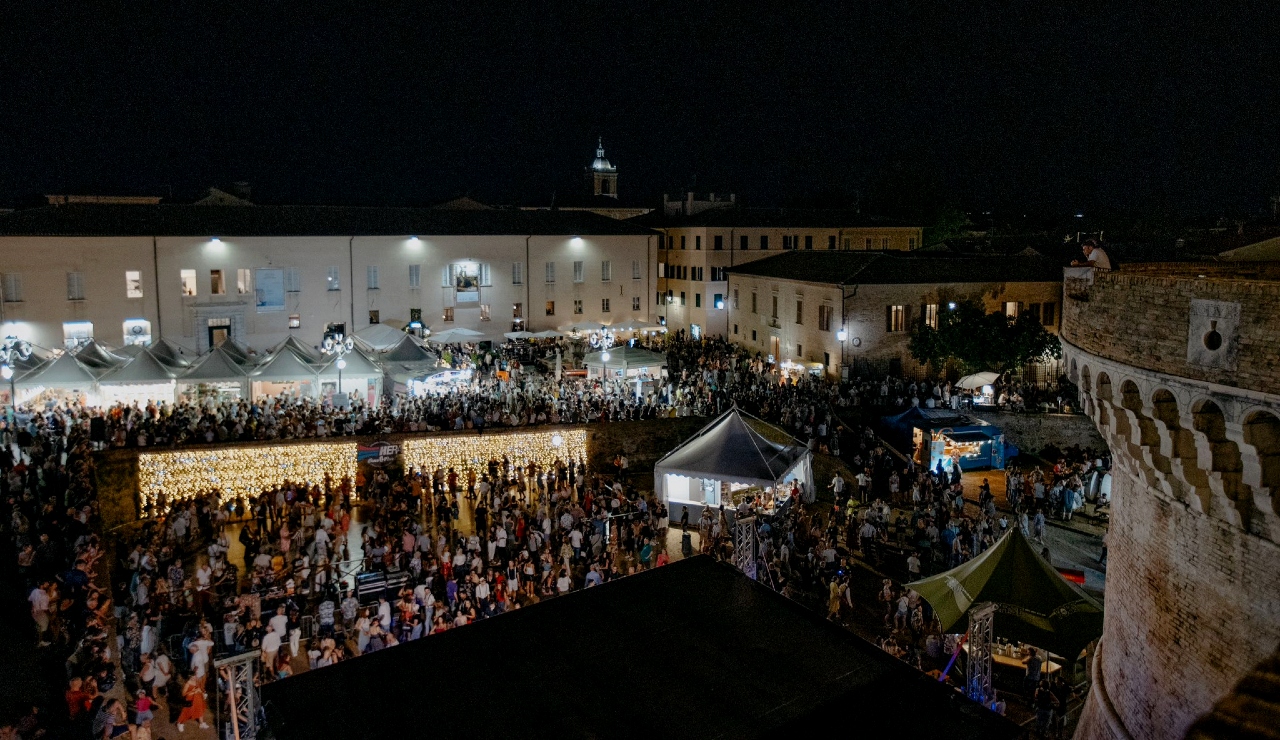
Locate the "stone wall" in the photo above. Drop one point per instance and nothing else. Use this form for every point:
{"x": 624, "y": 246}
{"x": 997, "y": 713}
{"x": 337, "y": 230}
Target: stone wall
{"x": 1158, "y": 317}
{"x": 1032, "y": 432}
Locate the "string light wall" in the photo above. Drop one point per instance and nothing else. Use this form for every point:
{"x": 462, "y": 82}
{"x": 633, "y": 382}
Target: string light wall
{"x": 473, "y": 452}
{"x": 240, "y": 471}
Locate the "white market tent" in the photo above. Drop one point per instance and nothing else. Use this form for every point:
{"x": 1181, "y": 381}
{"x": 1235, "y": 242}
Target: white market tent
{"x": 637, "y": 325}
{"x": 728, "y": 454}
{"x": 143, "y": 379}
{"x": 548, "y": 334}
{"x": 379, "y": 337}
{"x": 518, "y": 335}
{"x": 625, "y": 361}
{"x": 171, "y": 354}
{"x": 98, "y": 359}
{"x": 977, "y": 380}
{"x": 454, "y": 336}
{"x": 360, "y": 376}
{"x": 406, "y": 350}
{"x": 284, "y": 366}
{"x": 64, "y": 376}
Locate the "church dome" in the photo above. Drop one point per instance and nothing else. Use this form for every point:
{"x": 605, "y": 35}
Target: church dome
{"x": 601, "y": 164}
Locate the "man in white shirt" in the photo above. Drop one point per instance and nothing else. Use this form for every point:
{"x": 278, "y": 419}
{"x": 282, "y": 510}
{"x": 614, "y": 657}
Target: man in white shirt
{"x": 270, "y": 648}
{"x": 39, "y": 599}
{"x": 1094, "y": 256}
{"x": 280, "y": 622}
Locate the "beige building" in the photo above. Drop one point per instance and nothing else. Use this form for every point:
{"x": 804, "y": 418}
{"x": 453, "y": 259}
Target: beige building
{"x": 196, "y": 274}
{"x": 697, "y": 252}
{"x": 794, "y": 306}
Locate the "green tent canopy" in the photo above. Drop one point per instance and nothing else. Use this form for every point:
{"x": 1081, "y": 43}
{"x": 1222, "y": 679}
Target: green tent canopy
{"x": 1034, "y": 603}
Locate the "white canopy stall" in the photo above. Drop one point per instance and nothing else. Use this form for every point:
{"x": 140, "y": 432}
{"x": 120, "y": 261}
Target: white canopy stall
{"x": 61, "y": 379}
{"x": 143, "y": 380}
{"x": 286, "y": 372}
{"x": 215, "y": 376}
{"x": 729, "y": 462}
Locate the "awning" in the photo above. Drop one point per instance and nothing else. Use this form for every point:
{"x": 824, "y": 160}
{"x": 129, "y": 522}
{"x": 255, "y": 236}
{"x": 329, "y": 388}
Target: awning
{"x": 966, "y": 436}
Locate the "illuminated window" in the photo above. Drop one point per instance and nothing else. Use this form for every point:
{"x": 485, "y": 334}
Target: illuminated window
{"x": 577, "y": 307}
{"x": 137, "y": 331}
{"x": 188, "y": 282}
{"x": 295, "y": 321}
{"x": 374, "y": 317}
{"x": 517, "y": 311}
{"x": 895, "y": 318}
{"x": 484, "y": 311}
{"x": 551, "y": 308}
{"x": 75, "y": 286}
{"x": 448, "y": 314}
{"x": 244, "y": 281}
{"x": 1011, "y": 309}
{"x": 635, "y": 303}
{"x": 132, "y": 284}
{"x": 217, "y": 286}
{"x": 333, "y": 281}
{"x": 931, "y": 315}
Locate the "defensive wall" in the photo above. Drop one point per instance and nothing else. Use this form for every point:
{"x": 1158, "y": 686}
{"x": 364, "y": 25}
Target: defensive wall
{"x": 1177, "y": 368}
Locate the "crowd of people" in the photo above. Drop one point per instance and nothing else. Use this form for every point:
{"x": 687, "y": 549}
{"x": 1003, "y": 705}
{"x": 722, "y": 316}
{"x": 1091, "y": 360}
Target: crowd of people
{"x": 454, "y": 548}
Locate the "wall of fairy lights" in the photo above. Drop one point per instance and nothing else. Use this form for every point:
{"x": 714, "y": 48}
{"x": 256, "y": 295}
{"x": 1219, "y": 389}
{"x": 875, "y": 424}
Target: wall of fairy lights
{"x": 248, "y": 471}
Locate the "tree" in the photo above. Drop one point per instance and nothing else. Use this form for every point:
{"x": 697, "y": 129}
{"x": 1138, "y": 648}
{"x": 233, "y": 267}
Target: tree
{"x": 980, "y": 341}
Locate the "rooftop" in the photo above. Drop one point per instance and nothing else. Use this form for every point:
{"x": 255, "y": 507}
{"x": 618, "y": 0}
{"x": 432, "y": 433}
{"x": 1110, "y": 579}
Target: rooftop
{"x": 900, "y": 268}
{"x": 689, "y": 650}
{"x": 216, "y": 220}
{"x": 771, "y": 218}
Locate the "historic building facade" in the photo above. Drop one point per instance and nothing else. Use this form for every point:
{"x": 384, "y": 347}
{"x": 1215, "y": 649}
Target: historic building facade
{"x": 794, "y": 306}
{"x": 697, "y": 252}
{"x": 198, "y": 273}
{"x": 1176, "y": 366}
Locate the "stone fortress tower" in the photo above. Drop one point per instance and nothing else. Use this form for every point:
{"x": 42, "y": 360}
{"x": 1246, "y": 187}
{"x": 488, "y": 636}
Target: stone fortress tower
{"x": 1179, "y": 367}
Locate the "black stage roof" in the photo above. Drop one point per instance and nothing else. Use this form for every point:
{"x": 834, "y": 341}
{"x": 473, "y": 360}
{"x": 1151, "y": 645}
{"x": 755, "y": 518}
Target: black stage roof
{"x": 690, "y": 650}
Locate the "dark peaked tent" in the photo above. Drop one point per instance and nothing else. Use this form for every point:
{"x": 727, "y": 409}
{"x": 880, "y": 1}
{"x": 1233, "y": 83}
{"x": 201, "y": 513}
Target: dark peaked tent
{"x": 1034, "y": 603}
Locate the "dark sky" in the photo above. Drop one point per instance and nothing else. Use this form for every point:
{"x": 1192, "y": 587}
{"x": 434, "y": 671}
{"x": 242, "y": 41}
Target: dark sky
{"x": 990, "y": 105}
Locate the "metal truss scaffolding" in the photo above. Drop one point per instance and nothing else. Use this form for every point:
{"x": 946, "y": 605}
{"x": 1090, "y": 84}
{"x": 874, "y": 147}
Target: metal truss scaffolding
{"x": 978, "y": 673}
{"x": 744, "y": 545}
{"x": 236, "y": 711}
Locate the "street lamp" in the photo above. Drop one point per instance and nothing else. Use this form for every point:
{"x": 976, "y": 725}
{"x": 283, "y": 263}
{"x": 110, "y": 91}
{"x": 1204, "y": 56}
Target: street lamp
{"x": 338, "y": 346}
{"x": 842, "y": 335}
{"x": 11, "y": 351}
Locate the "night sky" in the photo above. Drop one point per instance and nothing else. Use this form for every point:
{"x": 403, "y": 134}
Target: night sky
{"x": 997, "y": 105}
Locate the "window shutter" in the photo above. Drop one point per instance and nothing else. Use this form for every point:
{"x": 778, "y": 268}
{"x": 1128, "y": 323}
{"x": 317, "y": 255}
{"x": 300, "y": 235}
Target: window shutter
{"x": 888, "y": 318}
{"x": 484, "y": 273}
{"x": 446, "y": 276}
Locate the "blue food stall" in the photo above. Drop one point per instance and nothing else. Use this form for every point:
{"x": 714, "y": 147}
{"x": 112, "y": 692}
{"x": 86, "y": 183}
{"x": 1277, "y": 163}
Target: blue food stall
{"x": 945, "y": 436}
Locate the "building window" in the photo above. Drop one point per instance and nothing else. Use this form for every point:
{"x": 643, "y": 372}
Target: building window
{"x": 132, "y": 284}
{"x": 831, "y": 242}
{"x": 188, "y": 282}
{"x": 775, "y": 307}
{"x": 295, "y": 321}
{"x": 826, "y": 359}
{"x": 371, "y": 274}
{"x": 682, "y": 241}
{"x": 1046, "y": 314}
{"x": 824, "y": 317}
{"x": 764, "y": 241}
{"x": 374, "y": 317}
{"x": 606, "y": 271}
{"x": 217, "y": 286}
{"x": 753, "y": 335}
{"x": 415, "y": 277}
{"x": 333, "y": 281}
{"x": 718, "y": 301}
{"x": 75, "y": 286}
{"x": 682, "y": 298}
{"x": 800, "y": 351}
{"x": 484, "y": 312}
{"x": 1034, "y": 310}
{"x": 76, "y": 334}
{"x": 604, "y": 305}
{"x": 635, "y": 303}
{"x": 635, "y": 270}
{"x": 799, "y": 311}
{"x": 671, "y": 242}
{"x": 577, "y": 306}
{"x": 884, "y": 243}
{"x": 551, "y": 273}
{"x": 735, "y": 299}
{"x": 868, "y": 246}
{"x": 753, "y": 303}
{"x": 848, "y": 244}
{"x": 718, "y": 243}
{"x": 662, "y": 269}
{"x": 1011, "y": 309}
{"x": 931, "y": 315}
{"x": 517, "y": 273}
{"x": 911, "y": 242}
{"x": 735, "y": 330}
{"x": 697, "y": 242}
{"x": 244, "y": 281}
{"x": 448, "y": 314}
{"x": 292, "y": 280}
{"x": 551, "y": 308}
{"x": 808, "y": 241}
{"x": 697, "y": 300}
{"x": 486, "y": 276}
{"x": 895, "y": 318}
{"x": 517, "y": 311}
{"x": 12, "y": 288}
{"x": 742, "y": 242}
{"x": 786, "y": 242}
{"x": 578, "y": 271}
